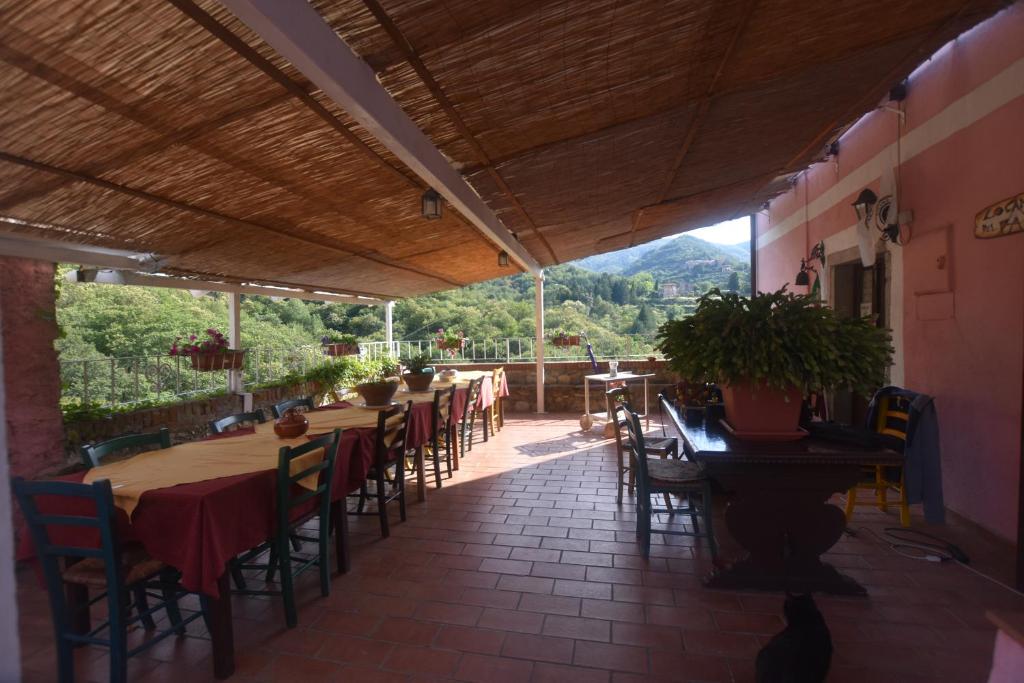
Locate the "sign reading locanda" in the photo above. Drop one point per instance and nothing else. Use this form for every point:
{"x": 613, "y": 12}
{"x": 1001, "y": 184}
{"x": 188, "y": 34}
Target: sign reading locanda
{"x": 1002, "y": 218}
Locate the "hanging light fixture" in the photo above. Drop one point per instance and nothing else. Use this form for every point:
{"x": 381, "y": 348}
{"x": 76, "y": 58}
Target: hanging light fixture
{"x": 802, "y": 277}
{"x": 430, "y": 204}
{"x": 502, "y": 258}
{"x": 864, "y": 205}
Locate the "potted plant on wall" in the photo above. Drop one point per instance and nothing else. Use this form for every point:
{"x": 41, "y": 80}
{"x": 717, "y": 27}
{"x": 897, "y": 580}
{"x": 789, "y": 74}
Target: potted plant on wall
{"x": 418, "y": 372}
{"x": 209, "y": 354}
{"x": 337, "y": 343}
{"x": 377, "y": 380}
{"x": 768, "y": 351}
{"x": 450, "y": 340}
{"x": 563, "y": 338}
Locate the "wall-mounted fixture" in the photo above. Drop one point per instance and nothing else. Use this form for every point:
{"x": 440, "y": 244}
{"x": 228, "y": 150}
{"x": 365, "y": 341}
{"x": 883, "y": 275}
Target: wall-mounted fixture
{"x": 430, "y": 204}
{"x": 502, "y": 258}
{"x": 104, "y": 276}
{"x": 803, "y": 277}
{"x": 872, "y": 210}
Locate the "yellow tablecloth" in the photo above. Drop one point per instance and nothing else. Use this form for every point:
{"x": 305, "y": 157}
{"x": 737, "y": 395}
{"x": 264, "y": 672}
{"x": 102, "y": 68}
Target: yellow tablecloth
{"x": 202, "y": 460}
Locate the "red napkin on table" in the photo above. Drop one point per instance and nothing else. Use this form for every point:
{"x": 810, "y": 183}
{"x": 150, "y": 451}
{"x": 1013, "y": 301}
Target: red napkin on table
{"x": 241, "y": 431}
{"x": 335, "y": 406}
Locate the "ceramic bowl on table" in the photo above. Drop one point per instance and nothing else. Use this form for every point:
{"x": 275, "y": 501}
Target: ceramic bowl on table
{"x": 291, "y": 425}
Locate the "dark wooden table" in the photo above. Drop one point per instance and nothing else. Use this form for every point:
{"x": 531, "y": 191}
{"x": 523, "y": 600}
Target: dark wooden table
{"x": 779, "y": 510}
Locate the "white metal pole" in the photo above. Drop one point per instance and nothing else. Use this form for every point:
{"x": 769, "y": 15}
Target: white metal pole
{"x": 389, "y": 326}
{"x": 235, "y": 337}
{"x": 10, "y": 659}
{"x": 538, "y": 305}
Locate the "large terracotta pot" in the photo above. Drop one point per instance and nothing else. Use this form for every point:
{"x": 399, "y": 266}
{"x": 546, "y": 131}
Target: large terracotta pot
{"x": 418, "y": 381}
{"x": 757, "y": 409}
{"x": 378, "y": 393}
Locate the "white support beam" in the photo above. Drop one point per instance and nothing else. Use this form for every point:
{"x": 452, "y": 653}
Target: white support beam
{"x": 235, "y": 337}
{"x": 538, "y": 305}
{"x": 23, "y": 246}
{"x": 171, "y": 282}
{"x": 299, "y": 34}
{"x": 389, "y": 326}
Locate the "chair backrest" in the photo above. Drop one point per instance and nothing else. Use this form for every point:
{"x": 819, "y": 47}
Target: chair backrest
{"x": 617, "y": 399}
{"x": 221, "y": 425}
{"x": 893, "y": 417}
{"x": 636, "y": 447}
{"x": 472, "y": 395}
{"x": 391, "y": 428}
{"x": 441, "y": 417}
{"x": 92, "y": 454}
{"x": 278, "y": 409}
{"x": 92, "y": 524}
{"x": 497, "y": 379}
{"x": 287, "y": 500}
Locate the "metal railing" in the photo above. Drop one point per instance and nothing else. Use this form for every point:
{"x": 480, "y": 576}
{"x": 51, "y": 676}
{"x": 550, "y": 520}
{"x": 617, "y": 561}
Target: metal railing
{"x": 516, "y": 349}
{"x": 141, "y": 379}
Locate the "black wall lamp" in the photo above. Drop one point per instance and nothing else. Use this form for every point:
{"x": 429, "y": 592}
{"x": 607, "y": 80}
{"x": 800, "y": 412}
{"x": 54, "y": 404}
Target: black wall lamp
{"x": 803, "y": 277}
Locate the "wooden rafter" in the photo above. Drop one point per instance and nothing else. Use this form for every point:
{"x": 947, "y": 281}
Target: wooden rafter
{"x": 413, "y": 58}
{"x": 698, "y": 118}
{"x": 292, "y": 234}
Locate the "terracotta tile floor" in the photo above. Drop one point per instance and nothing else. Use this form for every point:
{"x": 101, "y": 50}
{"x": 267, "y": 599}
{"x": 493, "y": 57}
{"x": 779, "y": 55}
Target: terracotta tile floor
{"x": 523, "y": 568}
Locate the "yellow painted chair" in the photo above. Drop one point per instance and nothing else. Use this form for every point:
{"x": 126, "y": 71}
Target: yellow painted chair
{"x": 893, "y": 417}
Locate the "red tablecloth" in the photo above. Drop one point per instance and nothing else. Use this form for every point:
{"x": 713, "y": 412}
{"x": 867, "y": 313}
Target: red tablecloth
{"x": 198, "y": 527}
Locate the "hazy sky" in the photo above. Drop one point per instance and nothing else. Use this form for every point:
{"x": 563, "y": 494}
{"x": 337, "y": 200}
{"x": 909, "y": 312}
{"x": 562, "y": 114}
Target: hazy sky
{"x": 729, "y": 232}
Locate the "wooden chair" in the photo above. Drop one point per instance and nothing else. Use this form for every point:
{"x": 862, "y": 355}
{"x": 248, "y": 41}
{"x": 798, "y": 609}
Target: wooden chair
{"x": 664, "y": 447}
{"x": 117, "y": 571}
{"x": 220, "y": 426}
{"x": 667, "y": 476}
{"x": 389, "y": 454}
{"x": 497, "y": 410}
{"x": 468, "y": 421}
{"x": 441, "y": 432}
{"x": 892, "y": 422}
{"x": 295, "y": 507}
{"x": 278, "y": 409}
{"x": 92, "y": 454}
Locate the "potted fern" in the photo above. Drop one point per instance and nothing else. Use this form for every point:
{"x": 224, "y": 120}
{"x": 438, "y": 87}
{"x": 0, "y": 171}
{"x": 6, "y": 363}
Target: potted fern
{"x": 337, "y": 343}
{"x": 768, "y": 351}
{"x": 418, "y": 372}
{"x": 377, "y": 380}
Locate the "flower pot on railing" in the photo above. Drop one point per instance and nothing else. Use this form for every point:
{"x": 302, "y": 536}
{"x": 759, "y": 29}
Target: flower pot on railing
{"x": 570, "y": 340}
{"x": 341, "y": 349}
{"x": 230, "y": 359}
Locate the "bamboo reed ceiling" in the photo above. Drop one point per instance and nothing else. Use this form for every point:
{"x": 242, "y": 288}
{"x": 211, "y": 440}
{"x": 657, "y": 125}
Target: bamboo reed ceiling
{"x": 586, "y": 125}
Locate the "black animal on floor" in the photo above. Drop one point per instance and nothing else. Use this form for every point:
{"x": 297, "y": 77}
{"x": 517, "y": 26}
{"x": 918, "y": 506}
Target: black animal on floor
{"x": 801, "y": 652}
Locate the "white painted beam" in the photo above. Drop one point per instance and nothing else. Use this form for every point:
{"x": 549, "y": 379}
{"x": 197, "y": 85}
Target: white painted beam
{"x": 389, "y": 326}
{"x": 172, "y": 282}
{"x": 23, "y": 246}
{"x": 299, "y": 34}
{"x": 538, "y": 305}
{"x": 235, "y": 337}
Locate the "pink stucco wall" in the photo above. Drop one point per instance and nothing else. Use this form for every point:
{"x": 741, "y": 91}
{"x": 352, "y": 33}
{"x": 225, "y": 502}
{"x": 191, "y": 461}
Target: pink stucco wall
{"x": 35, "y": 429}
{"x": 963, "y": 145}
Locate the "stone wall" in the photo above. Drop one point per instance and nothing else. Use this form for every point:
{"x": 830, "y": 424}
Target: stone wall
{"x": 187, "y": 421}
{"x": 35, "y": 433}
{"x": 563, "y": 383}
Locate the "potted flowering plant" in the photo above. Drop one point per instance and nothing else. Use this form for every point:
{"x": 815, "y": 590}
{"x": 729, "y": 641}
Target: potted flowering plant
{"x": 766, "y": 352}
{"x": 337, "y": 343}
{"x": 209, "y": 354}
{"x": 377, "y": 380}
{"x": 563, "y": 338}
{"x": 451, "y": 341}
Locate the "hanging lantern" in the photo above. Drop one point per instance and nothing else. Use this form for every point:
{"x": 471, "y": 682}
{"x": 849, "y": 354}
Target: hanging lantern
{"x": 430, "y": 204}
{"x": 864, "y": 205}
{"x": 502, "y": 258}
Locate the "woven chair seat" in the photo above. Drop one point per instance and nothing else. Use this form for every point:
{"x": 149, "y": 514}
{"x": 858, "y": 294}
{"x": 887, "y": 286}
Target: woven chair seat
{"x": 658, "y": 446}
{"x": 674, "y": 472}
{"x": 91, "y": 572}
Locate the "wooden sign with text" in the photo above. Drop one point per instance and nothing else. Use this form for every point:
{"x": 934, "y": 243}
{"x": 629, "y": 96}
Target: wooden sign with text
{"x": 1002, "y": 218}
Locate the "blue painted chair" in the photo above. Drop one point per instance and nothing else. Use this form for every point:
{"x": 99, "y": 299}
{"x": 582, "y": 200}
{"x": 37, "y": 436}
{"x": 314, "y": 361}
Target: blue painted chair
{"x": 117, "y": 571}
{"x": 295, "y": 507}
{"x": 220, "y": 426}
{"x": 92, "y": 454}
{"x": 278, "y": 409}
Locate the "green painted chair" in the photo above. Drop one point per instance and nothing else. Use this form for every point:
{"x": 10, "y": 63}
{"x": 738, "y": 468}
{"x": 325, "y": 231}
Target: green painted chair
{"x": 468, "y": 418}
{"x": 389, "y": 454}
{"x": 93, "y": 454}
{"x": 667, "y": 476}
{"x": 119, "y": 572}
{"x": 441, "y": 432}
{"x": 278, "y": 409}
{"x": 295, "y": 507}
{"x": 220, "y": 426}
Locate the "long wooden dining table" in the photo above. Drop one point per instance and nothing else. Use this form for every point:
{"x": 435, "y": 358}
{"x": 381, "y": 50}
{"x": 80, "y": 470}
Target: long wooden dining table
{"x": 201, "y": 523}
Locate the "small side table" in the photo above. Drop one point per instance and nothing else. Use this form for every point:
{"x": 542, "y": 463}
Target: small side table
{"x": 588, "y": 419}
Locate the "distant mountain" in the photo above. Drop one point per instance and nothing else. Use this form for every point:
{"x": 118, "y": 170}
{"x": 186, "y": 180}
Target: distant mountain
{"x": 740, "y": 251}
{"x": 618, "y": 261}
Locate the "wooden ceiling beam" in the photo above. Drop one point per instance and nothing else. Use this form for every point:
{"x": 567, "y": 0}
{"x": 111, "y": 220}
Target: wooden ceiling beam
{"x": 300, "y": 35}
{"x": 290, "y": 233}
{"x": 698, "y": 118}
{"x": 413, "y": 58}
